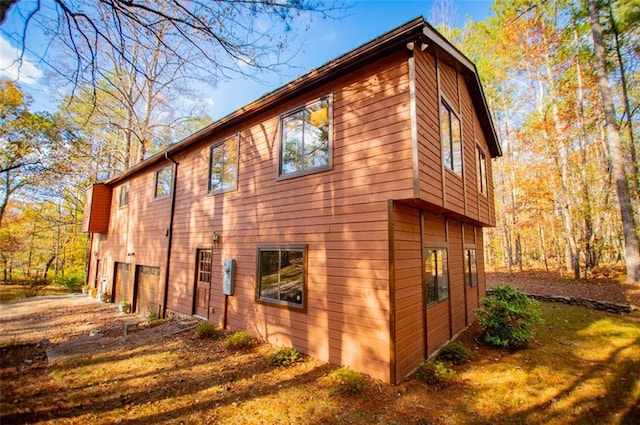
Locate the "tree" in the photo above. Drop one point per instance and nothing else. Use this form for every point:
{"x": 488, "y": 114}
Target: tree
{"x": 631, "y": 246}
{"x": 226, "y": 36}
{"x": 32, "y": 145}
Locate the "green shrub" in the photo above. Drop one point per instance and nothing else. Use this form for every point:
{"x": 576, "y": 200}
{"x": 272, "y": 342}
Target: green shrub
{"x": 73, "y": 280}
{"x": 454, "y": 352}
{"x": 346, "y": 381}
{"x": 435, "y": 373}
{"x": 285, "y": 356}
{"x": 508, "y": 317}
{"x": 239, "y": 340}
{"x": 207, "y": 330}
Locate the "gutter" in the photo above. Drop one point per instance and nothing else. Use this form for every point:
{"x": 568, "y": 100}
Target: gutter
{"x": 165, "y": 294}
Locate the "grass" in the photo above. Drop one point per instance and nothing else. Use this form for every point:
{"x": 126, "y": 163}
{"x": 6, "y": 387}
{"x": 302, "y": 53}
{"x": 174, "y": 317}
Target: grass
{"x": 583, "y": 367}
{"x": 11, "y": 293}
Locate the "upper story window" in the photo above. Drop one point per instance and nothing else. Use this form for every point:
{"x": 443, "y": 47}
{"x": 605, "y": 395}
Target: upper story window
{"x": 450, "y": 138}
{"x": 436, "y": 275}
{"x": 481, "y": 168}
{"x": 281, "y": 275}
{"x": 305, "y": 144}
{"x": 223, "y": 165}
{"x": 163, "y": 183}
{"x": 124, "y": 195}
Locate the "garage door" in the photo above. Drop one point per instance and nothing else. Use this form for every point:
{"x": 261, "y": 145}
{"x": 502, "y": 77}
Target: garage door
{"x": 147, "y": 283}
{"x": 121, "y": 283}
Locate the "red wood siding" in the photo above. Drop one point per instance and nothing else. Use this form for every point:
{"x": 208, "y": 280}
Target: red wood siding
{"x": 437, "y": 185}
{"x": 456, "y": 276}
{"x": 409, "y": 327}
{"x": 428, "y": 123}
{"x": 97, "y": 209}
{"x": 341, "y": 215}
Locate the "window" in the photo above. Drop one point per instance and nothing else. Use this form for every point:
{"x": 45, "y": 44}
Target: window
{"x": 481, "y": 167}
{"x": 163, "y": 183}
{"x": 436, "y": 275}
{"x": 305, "y": 139}
{"x": 124, "y": 195}
{"x": 450, "y": 138}
{"x": 223, "y": 165}
{"x": 281, "y": 275}
{"x": 471, "y": 268}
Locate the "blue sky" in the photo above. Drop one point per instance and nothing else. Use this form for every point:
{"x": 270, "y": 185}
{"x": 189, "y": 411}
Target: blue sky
{"x": 325, "y": 40}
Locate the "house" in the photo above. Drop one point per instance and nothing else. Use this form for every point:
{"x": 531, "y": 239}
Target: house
{"x": 341, "y": 214}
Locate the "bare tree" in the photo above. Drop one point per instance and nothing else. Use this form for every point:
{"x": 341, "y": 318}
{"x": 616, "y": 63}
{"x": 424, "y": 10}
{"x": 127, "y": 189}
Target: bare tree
{"x": 228, "y": 36}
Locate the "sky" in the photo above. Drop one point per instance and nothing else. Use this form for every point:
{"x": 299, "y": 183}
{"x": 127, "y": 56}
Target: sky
{"x": 326, "y": 39}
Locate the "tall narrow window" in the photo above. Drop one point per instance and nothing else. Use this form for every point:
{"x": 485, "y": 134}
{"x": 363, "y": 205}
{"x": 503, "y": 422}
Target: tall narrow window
{"x": 163, "y": 182}
{"x": 124, "y": 195}
{"x": 223, "y": 165}
{"x": 436, "y": 275}
{"x": 481, "y": 168}
{"x": 306, "y": 139}
{"x": 281, "y": 275}
{"x": 471, "y": 268}
{"x": 450, "y": 138}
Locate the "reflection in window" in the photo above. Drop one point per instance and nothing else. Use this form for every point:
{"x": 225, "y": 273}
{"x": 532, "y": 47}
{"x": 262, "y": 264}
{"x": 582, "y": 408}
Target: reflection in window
{"x": 471, "y": 268}
{"x": 124, "y": 195}
{"x": 223, "y": 165}
{"x": 305, "y": 139}
{"x": 281, "y": 276}
{"x": 481, "y": 168}
{"x": 450, "y": 138}
{"x": 436, "y": 275}
{"x": 163, "y": 183}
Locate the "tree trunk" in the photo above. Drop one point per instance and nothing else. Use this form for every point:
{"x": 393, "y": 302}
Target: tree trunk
{"x": 631, "y": 251}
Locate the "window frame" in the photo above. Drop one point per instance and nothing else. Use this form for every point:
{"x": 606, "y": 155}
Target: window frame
{"x": 428, "y": 251}
{"x": 237, "y": 165}
{"x": 281, "y": 126}
{"x": 155, "y": 186}
{"x": 123, "y": 196}
{"x": 481, "y": 169}
{"x": 302, "y": 306}
{"x": 448, "y": 144}
{"x": 471, "y": 267}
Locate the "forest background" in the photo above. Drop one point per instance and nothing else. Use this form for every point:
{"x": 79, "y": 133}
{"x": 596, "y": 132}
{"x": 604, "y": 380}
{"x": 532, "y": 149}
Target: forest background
{"x": 558, "y": 185}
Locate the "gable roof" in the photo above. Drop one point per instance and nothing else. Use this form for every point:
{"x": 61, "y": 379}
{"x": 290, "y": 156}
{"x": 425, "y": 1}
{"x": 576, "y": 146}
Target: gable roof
{"x": 412, "y": 31}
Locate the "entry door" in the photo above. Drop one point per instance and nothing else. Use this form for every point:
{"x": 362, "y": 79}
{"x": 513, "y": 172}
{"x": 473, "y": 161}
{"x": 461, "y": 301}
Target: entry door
{"x": 203, "y": 283}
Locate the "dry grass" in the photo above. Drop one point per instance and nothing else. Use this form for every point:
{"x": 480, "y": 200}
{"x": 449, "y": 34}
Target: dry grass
{"x": 583, "y": 368}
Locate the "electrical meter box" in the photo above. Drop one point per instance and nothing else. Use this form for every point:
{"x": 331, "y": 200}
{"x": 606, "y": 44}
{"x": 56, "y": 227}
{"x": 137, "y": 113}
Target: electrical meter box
{"x": 228, "y": 276}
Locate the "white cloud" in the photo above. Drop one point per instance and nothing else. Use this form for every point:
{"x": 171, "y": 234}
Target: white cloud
{"x": 26, "y": 72}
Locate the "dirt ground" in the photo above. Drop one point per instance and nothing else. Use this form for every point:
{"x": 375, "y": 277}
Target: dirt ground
{"x": 604, "y": 288}
{"x": 35, "y": 331}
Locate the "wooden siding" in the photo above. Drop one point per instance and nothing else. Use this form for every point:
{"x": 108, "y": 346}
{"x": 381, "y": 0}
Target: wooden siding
{"x": 457, "y": 285}
{"x": 409, "y": 296}
{"x": 438, "y": 185}
{"x": 438, "y": 316}
{"x": 341, "y": 216}
{"x": 428, "y": 122}
{"x": 137, "y": 232}
{"x": 97, "y": 209}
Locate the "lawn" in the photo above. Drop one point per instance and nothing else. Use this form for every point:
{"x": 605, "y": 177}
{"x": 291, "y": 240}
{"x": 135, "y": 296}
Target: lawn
{"x": 10, "y": 292}
{"x": 582, "y": 368}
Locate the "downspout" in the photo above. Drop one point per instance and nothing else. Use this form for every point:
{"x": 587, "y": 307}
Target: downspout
{"x": 165, "y": 294}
